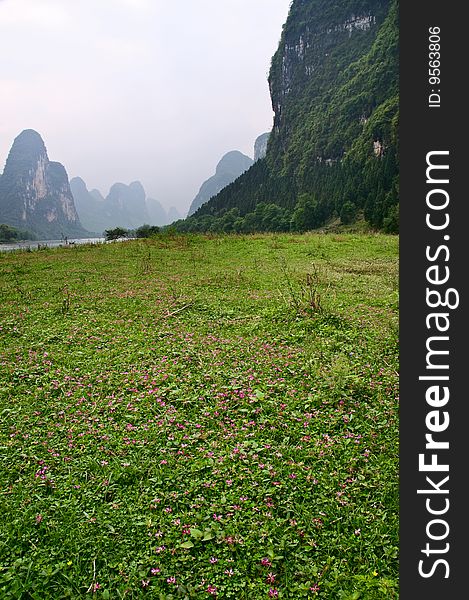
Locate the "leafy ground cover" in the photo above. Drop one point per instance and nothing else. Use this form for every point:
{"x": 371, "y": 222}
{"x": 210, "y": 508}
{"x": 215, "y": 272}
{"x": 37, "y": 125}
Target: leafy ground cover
{"x": 196, "y": 417}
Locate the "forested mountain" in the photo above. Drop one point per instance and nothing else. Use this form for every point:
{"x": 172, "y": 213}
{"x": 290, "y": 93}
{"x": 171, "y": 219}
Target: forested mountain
{"x": 35, "y": 193}
{"x": 231, "y": 166}
{"x": 333, "y": 148}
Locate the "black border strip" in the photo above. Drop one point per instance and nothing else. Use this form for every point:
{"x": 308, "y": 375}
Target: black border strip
{"x": 424, "y": 128}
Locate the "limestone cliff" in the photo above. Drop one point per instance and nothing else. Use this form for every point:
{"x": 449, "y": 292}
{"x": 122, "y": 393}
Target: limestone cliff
{"x": 35, "y": 193}
{"x": 333, "y": 149}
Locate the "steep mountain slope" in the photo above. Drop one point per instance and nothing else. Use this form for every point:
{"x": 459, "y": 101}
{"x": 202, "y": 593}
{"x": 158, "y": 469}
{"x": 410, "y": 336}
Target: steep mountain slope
{"x": 333, "y": 148}
{"x": 231, "y": 166}
{"x": 35, "y": 193}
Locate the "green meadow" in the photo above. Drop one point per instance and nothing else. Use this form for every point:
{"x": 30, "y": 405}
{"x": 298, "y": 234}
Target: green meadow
{"x": 200, "y": 416}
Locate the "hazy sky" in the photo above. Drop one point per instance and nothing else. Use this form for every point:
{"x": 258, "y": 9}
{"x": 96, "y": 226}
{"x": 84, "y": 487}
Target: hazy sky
{"x": 149, "y": 90}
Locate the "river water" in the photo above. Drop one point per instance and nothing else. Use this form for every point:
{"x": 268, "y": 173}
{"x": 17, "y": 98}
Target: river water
{"x": 34, "y": 245}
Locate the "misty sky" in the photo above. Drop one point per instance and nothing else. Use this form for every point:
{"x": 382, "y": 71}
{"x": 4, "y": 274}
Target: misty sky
{"x": 149, "y": 90}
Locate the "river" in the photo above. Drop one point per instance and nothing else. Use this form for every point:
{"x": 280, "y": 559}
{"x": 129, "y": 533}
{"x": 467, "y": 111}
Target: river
{"x": 36, "y": 244}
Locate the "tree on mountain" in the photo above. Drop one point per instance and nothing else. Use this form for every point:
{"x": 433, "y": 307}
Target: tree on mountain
{"x": 348, "y": 212}
{"x": 307, "y": 213}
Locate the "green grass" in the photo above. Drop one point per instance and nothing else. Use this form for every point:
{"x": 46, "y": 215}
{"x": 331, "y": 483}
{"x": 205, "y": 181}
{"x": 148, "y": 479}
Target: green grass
{"x": 196, "y": 417}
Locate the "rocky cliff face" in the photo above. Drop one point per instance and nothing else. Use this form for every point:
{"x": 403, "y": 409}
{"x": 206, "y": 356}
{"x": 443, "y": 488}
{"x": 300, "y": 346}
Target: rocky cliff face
{"x": 320, "y": 51}
{"x": 231, "y": 166}
{"x": 334, "y": 84}
{"x": 35, "y": 193}
{"x": 260, "y": 146}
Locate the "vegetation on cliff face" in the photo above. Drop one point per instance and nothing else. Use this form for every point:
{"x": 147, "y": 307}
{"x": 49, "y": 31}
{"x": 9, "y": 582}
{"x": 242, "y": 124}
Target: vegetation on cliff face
{"x": 333, "y": 149}
{"x": 35, "y": 192}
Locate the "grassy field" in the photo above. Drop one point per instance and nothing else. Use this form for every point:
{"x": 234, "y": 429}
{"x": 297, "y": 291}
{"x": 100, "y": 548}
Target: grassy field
{"x": 196, "y": 417}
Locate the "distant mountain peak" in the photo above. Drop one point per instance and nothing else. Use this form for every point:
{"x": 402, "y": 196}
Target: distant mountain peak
{"x": 29, "y": 137}
{"x": 78, "y": 181}
{"x": 233, "y": 162}
{"x": 124, "y": 206}
{"x": 27, "y": 146}
{"x": 136, "y": 185}
{"x": 230, "y": 167}
{"x": 260, "y": 146}
{"x": 35, "y": 192}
